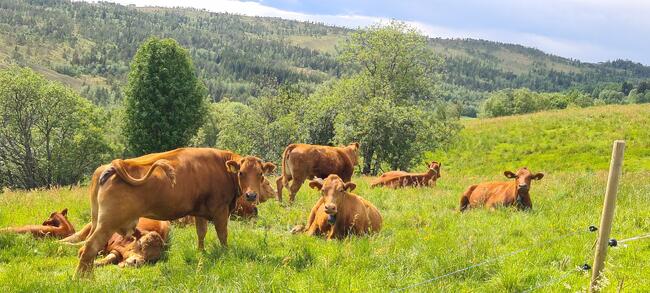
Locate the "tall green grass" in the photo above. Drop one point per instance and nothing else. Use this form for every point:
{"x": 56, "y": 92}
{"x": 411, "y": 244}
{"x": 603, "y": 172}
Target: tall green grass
{"x": 423, "y": 234}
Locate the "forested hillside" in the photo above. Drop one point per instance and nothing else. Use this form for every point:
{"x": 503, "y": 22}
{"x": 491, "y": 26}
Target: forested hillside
{"x": 89, "y": 46}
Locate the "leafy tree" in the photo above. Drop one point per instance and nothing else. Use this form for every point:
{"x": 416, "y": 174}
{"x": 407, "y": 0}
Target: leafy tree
{"x": 165, "y": 102}
{"x": 611, "y": 97}
{"x": 49, "y": 135}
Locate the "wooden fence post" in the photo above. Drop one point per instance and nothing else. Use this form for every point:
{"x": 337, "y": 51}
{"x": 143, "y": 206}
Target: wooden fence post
{"x": 608, "y": 214}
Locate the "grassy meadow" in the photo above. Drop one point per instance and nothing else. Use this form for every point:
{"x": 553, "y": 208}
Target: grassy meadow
{"x": 423, "y": 234}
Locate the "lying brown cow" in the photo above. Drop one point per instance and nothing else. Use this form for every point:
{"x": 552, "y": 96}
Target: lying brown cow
{"x": 304, "y": 161}
{"x": 397, "y": 179}
{"x": 492, "y": 194}
{"x": 146, "y": 245}
{"x": 201, "y": 182}
{"x": 339, "y": 213}
{"x": 56, "y": 226}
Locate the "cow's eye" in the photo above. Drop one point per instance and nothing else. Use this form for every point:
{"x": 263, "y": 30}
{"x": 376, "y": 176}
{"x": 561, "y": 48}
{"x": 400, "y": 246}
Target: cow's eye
{"x": 241, "y": 174}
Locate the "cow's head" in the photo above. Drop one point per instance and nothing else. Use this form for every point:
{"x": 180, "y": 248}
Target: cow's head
{"x": 148, "y": 248}
{"x": 353, "y": 152}
{"x": 523, "y": 178}
{"x": 334, "y": 192}
{"x": 250, "y": 172}
{"x": 56, "y": 219}
{"x": 434, "y": 167}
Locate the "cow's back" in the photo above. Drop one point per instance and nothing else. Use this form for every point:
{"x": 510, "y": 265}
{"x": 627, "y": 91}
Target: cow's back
{"x": 202, "y": 184}
{"x": 319, "y": 161}
{"x": 492, "y": 193}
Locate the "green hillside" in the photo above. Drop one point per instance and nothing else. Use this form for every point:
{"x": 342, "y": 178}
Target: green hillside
{"x": 567, "y": 140}
{"x": 88, "y": 45}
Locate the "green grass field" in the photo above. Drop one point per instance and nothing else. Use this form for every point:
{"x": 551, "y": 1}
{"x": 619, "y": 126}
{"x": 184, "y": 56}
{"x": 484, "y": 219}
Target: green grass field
{"x": 423, "y": 234}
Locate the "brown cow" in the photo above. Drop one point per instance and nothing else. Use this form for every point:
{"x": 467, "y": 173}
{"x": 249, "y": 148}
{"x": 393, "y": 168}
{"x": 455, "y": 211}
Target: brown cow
{"x": 492, "y": 194}
{"x": 56, "y": 226}
{"x": 339, "y": 213}
{"x": 201, "y": 182}
{"x": 146, "y": 245}
{"x": 397, "y": 179}
{"x": 304, "y": 161}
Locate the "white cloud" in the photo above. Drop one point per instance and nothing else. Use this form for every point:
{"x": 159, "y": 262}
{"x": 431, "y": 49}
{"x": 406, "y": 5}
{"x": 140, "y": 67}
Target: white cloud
{"x": 585, "y": 51}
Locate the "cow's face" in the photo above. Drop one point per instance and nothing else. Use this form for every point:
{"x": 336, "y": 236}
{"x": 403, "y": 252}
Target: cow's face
{"x": 523, "y": 178}
{"x": 267, "y": 191}
{"x": 334, "y": 191}
{"x": 148, "y": 248}
{"x": 435, "y": 167}
{"x": 57, "y": 218}
{"x": 250, "y": 172}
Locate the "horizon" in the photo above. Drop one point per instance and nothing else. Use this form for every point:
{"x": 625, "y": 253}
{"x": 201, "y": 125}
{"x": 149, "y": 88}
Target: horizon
{"x": 588, "y": 39}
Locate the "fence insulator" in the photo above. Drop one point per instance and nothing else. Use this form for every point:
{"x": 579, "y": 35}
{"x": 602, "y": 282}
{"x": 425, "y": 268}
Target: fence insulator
{"x": 593, "y": 228}
{"x": 585, "y": 267}
{"x": 612, "y": 242}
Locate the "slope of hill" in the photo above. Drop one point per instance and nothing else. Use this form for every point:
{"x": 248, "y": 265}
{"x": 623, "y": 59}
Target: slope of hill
{"x": 239, "y": 56}
{"x": 567, "y": 140}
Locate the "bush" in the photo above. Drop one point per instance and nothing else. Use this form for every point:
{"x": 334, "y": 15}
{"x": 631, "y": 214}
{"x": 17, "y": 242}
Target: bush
{"x": 49, "y": 135}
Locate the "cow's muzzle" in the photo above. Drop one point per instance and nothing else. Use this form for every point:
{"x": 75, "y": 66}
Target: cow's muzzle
{"x": 523, "y": 187}
{"x": 330, "y": 209}
{"x": 331, "y": 219}
{"x": 251, "y": 196}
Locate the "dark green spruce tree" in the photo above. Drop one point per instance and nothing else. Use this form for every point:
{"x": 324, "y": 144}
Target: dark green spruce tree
{"x": 165, "y": 102}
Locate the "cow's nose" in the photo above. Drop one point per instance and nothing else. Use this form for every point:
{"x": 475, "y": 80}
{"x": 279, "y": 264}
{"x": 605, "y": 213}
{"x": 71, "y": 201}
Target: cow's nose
{"x": 330, "y": 209}
{"x": 523, "y": 186}
{"x": 251, "y": 196}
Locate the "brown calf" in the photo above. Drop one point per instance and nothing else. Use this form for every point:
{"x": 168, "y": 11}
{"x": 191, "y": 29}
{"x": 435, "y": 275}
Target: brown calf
{"x": 397, "y": 179}
{"x": 492, "y": 194}
{"x": 57, "y": 226}
{"x": 339, "y": 213}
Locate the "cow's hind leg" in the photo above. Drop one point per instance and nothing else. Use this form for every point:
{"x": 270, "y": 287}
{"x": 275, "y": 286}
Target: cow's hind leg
{"x": 296, "y": 183}
{"x": 279, "y": 186}
{"x": 201, "y": 229}
{"x": 88, "y": 252}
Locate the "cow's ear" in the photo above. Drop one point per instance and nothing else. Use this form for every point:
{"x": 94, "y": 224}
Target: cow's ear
{"x": 64, "y": 212}
{"x": 509, "y": 174}
{"x": 349, "y": 186}
{"x": 232, "y": 166}
{"x": 316, "y": 184}
{"x": 268, "y": 167}
{"x": 356, "y": 145}
{"x": 538, "y": 176}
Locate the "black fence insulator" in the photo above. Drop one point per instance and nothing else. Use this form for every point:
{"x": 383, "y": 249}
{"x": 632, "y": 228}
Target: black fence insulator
{"x": 593, "y": 228}
{"x": 612, "y": 242}
{"x": 585, "y": 267}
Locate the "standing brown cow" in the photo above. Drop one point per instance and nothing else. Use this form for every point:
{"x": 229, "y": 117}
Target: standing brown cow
{"x": 57, "y": 226}
{"x": 201, "y": 182}
{"x": 305, "y": 161}
{"x": 397, "y": 179}
{"x": 492, "y": 194}
{"x": 339, "y": 213}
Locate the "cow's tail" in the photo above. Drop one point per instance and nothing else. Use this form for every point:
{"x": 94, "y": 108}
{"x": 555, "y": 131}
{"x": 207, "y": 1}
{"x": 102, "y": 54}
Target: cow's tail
{"x": 464, "y": 200}
{"x": 81, "y": 235}
{"x": 286, "y": 173}
{"x": 117, "y": 167}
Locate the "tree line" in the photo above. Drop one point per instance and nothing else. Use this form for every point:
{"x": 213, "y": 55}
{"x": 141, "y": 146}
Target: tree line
{"x": 52, "y": 136}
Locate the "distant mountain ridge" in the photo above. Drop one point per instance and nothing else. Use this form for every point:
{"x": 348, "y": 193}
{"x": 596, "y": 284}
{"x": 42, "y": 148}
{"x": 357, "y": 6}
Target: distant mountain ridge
{"x": 90, "y": 45}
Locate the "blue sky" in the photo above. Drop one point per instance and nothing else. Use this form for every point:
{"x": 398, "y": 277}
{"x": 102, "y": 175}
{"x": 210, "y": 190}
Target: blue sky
{"x": 588, "y": 30}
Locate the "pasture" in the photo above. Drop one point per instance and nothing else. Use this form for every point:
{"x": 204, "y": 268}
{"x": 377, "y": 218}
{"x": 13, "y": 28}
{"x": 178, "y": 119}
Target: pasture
{"x": 423, "y": 235}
